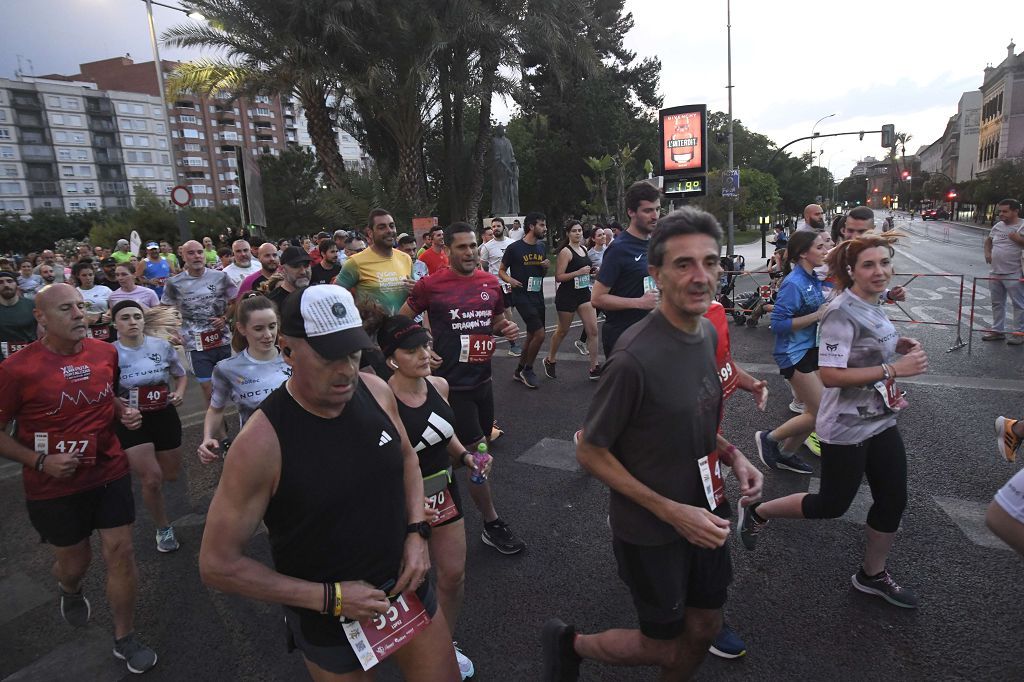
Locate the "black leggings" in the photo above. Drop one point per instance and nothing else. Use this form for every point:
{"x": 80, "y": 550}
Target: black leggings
{"x": 883, "y": 459}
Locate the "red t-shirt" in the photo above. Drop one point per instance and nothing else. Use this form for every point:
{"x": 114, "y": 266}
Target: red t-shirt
{"x": 723, "y": 352}
{"x": 71, "y": 399}
{"x": 435, "y": 261}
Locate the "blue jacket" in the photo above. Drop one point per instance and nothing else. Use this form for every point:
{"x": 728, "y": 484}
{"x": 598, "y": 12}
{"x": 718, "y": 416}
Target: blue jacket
{"x": 799, "y": 295}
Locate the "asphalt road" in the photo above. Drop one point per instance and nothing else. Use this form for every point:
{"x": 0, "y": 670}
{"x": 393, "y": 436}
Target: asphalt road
{"x": 791, "y": 600}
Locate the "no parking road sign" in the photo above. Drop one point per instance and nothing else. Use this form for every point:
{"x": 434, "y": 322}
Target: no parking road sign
{"x": 181, "y": 195}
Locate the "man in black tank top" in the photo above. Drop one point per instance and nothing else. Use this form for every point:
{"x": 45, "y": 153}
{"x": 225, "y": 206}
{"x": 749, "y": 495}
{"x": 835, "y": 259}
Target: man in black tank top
{"x": 327, "y": 465}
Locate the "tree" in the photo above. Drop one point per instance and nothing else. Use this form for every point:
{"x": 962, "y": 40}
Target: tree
{"x": 759, "y": 196}
{"x": 291, "y": 192}
{"x": 597, "y": 186}
{"x": 150, "y": 217}
{"x": 43, "y": 229}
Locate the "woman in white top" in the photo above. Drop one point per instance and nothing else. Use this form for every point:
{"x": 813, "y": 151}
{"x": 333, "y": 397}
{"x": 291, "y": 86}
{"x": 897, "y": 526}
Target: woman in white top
{"x": 130, "y": 290}
{"x": 97, "y": 314}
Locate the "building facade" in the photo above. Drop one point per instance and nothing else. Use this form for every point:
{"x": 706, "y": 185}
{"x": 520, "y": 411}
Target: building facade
{"x": 1001, "y": 133}
{"x": 67, "y": 145}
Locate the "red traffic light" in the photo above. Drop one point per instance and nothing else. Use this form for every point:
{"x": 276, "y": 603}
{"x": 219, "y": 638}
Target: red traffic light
{"x": 951, "y": 195}
{"x": 906, "y": 174}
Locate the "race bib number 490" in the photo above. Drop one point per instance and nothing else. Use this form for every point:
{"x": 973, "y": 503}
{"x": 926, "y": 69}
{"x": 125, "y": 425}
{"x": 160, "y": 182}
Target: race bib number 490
{"x": 375, "y": 639}
{"x": 476, "y": 348}
{"x": 82, "y": 446}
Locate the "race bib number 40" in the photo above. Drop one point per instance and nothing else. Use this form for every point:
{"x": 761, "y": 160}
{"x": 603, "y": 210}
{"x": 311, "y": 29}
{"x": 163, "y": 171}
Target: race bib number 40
{"x": 476, "y": 348}
{"x": 375, "y": 639}
{"x": 82, "y": 446}
{"x": 148, "y": 398}
{"x": 209, "y": 338}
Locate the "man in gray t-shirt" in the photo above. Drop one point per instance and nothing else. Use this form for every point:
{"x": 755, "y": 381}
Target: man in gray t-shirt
{"x": 1003, "y": 248}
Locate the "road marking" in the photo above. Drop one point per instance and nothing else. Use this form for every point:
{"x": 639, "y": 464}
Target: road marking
{"x": 925, "y": 264}
{"x": 20, "y": 594}
{"x": 552, "y": 453}
{"x": 969, "y": 517}
{"x": 945, "y": 380}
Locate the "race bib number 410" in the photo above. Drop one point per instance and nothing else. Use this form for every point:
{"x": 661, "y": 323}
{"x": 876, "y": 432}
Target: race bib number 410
{"x": 375, "y": 639}
{"x": 476, "y": 348}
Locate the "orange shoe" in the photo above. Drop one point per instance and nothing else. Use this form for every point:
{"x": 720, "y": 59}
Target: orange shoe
{"x": 1006, "y": 440}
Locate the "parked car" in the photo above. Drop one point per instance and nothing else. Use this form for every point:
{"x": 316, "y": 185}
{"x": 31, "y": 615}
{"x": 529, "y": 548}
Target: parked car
{"x": 934, "y": 214}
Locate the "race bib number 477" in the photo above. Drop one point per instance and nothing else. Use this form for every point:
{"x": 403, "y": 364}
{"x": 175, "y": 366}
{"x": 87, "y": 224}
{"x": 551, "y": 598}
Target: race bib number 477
{"x": 82, "y": 446}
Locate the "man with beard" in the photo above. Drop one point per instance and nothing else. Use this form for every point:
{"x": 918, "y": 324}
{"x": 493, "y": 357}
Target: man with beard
{"x": 17, "y": 322}
{"x": 295, "y": 273}
{"x": 491, "y": 254}
{"x": 328, "y": 268}
{"x": 108, "y": 268}
{"x": 48, "y": 273}
{"x": 242, "y": 264}
{"x": 814, "y": 219}
{"x": 523, "y": 267}
{"x": 267, "y": 256}
{"x": 56, "y": 271}
{"x": 381, "y": 272}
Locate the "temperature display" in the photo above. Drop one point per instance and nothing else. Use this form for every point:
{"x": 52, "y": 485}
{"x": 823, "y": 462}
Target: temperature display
{"x": 685, "y": 186}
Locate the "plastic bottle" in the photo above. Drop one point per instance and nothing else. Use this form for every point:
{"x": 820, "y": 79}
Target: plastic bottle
{"x": 480, "y": 458}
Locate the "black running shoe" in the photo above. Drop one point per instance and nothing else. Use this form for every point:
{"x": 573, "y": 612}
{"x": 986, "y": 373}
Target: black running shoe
{"x": 595, "y": 373}
{"x": 529, "y": 378}
{"x": 561, "y": 662}
{"x": 74, "y": 608}
{"x": 549, "y": 369}
{"x": 885, "y": 587}
{"x": 498, "y": 535}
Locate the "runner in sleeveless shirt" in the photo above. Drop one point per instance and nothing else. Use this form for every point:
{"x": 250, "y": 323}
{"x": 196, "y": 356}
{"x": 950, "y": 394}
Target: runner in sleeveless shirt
{"x": 327, "y": 465}
{"x": 248, "y": 377}
{"x": 572, "y": 272}
{"x": 147, "y": 366}
{"x": 430, "y": 422}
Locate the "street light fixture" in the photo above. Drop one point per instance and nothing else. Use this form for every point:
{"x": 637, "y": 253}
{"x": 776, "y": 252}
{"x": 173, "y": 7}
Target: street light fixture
{"x": 813, "y": 133}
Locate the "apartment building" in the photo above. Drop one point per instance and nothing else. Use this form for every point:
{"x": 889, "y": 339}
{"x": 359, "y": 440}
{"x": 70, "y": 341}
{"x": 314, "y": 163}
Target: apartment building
{"x": 356, "y": 160}
{"x": 70, "y": 146}
{"x": 1001, "y": 134}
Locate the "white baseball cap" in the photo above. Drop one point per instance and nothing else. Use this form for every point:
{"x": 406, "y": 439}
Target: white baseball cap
{"x": 327, "y": 318}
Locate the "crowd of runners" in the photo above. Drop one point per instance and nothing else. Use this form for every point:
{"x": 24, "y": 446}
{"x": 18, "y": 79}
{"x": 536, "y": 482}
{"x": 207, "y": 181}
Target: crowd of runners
{"x": 360, "y": 367}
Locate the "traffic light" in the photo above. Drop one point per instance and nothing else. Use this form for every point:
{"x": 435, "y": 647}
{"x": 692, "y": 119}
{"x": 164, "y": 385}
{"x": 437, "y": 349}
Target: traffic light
{"x": 889, "y": 135}
{"x": 905, "y": 174}
{"x": 951, "y": 194}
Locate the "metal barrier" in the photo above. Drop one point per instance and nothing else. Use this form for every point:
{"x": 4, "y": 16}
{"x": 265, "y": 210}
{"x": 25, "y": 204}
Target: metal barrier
{"x": 1010, "y": 313}
{"x": 910, "y": 319}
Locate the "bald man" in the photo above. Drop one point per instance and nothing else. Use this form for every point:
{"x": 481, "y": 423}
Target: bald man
{"x": 204, "y": 297}
{"x": 76, "y": 477}
{"x": 814, "y": 219}
{"x": 269, "y": 264}
{"x": 242, "y": 264}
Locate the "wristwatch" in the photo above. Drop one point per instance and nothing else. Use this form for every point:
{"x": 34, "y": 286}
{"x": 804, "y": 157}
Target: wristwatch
{"x": 423, "y": 528}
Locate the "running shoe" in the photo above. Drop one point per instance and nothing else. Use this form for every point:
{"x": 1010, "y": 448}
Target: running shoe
{"x": 529, "y": 377}
{"x": 549, "y": 369}
{"x": 581, "y": 347}
{"x": 576, "y": 437}
{"x": 165, "y": 540}
{"x": 496, "y": 431}
{"x": 518, "y": 375}
{"x": 797, "y": 407}
{"x": 466, "y": 668}
{"x": 1006, "y": 441}
{"x": 813, "y": 444}
{"x": 1014, "y": 340}
{"x": 993, "y": 336}
{"x": 885, "y": 587}
{"x": 561, "y": 662}
{"x": 498, "y": 535}
{"x": 727, "y": 644}
{"x": 767, "y": 449}
{"x": 74, "y": 608}
{"x": 595, "y": 374}
{"x": 747, "y": 526}
{"x": 793, "y": 463}
{"x": 138, "y": 657}
{"x": 514, "y": 350}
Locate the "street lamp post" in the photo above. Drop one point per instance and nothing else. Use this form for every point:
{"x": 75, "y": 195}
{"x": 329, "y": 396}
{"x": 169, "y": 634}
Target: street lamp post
{"x": 730, "y": 243}
{"x": 812, "y": 134}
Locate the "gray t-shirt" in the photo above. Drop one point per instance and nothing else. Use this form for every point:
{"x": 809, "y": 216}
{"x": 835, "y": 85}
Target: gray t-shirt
{"x": 200, "y": 299}
{"x": 657, "y": 410}
{"x": 596, "y": 256}
{"x": 1005, "y": 252}
{"x": 154, "y": 362}
{"x": 492, "y": 252}
{"x": 854, "y": 333}
{"x": 245, "y": 381}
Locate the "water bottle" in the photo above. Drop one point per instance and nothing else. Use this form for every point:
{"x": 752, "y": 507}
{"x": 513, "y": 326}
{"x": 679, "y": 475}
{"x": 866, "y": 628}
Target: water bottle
{"x": 480, "y": 458}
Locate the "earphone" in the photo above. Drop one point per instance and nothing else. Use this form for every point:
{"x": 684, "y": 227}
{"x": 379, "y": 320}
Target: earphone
{"x": 393, "y": 364}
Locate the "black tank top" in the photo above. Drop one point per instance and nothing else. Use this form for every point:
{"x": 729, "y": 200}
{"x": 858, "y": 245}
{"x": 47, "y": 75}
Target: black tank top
{"x": 339, "y": 512}
{"x": 430, "y": 427}
{"x": 575, "y": 263}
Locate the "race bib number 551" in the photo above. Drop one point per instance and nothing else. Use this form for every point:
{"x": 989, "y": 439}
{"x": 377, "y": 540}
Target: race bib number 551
{"x": 375, "y": 639}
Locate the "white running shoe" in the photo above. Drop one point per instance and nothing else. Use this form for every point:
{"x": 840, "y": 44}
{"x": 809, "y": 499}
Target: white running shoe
{"x": 466, "y": 668}
{"x": 797, "y": 407}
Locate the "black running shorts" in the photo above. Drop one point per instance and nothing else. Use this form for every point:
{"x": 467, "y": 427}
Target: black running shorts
{"x": 530, "y": 307}
{"x": 66, "y": 521}
{"x": 161, "y": 428}
{"x": 808, "y": 363}
{"x": 666, "y": 579}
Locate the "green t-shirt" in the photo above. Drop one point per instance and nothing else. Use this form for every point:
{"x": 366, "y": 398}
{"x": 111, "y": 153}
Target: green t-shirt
{"x": 121, "y": 256}
{"x": 171, "y": 259}
{"x": 211, "y": 256}
{"x": 17, "y": 323}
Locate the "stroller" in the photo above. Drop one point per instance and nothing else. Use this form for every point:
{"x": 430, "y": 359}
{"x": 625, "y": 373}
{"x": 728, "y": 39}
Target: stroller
{"x": 732, "y": 266}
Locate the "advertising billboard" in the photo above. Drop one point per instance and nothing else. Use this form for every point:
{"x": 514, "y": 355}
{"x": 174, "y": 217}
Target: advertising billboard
{"x": 683, "y": 133}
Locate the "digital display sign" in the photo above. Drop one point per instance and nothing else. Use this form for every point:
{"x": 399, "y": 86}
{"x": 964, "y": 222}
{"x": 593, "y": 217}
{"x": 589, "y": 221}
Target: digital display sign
{"x": 683, "y": 133}
{"x": 686, "y": 187}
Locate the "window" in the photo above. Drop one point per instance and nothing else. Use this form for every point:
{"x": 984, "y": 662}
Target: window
{"x": 74, "y": 206}
{"x": 161, "y": 142}
{"x": 168, "y": 189}
{"x": 192, "y": 147}
{"x": 193, "y": 161}
{"x": 262, "y": 111}
{"x": 142, "y": 140}
{"x": 159, "y": 127}
{"x": 71, "y": 188}
{"x": 53, "y": 101}
{"x": 10, "y": 188}
{"x": 85, "y": 171}
{"x": 261, "y": 99}
{"x": 13, "y": 205}
{"x": 165, "y": 159}
{"x": 74, "y": 120}
{"x": 165, "y": 173}
{"x": 187, "y": 118}
{"x": 60, "y": 136}
{"x": 190, "y": 133}
{"x": 63, "y": 154}
{"x": 5, "y": 133}
{"x": 67, "y": 171}
{"x": 139, "y": 124}
{"x": 78, "y": 137}
{"x": 128, "y": 140}
{"x": 88, "y": 188}
{"x": 57, "y": 119}
{"x": 126, "y": 123}
{"x": 6, "y": 152}
{"x": 3, "y": 114}
{"x": 151, "y": 186}
{"x": 81, "y": 155}
{"x": 157, "y": 111}
{"x": 10, "y": 171}
{"x": 91, "y": 205}
{"x": 71, "y": 103}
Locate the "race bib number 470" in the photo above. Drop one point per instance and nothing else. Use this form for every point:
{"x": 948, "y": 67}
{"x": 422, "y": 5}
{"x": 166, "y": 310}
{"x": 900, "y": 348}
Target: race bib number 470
{"x": 375, "y": 639}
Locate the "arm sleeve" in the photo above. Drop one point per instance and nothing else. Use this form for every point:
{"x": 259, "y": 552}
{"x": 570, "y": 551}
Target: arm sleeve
{"x": 617, "y": 399}
{"x": 349, "y": 275}
{"x": 787, "y": 302}
{"x": 837, "y": 334}
{"x": 221, "y": 394}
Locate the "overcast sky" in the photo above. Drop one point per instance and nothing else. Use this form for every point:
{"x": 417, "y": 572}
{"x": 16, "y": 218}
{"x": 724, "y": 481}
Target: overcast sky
{"x": 904, "y": 62}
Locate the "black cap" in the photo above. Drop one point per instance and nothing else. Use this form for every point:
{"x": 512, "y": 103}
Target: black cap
{"x": 400, "y": 331}
{"x": 108, "y": 261}
{"x": 294, "y": 255}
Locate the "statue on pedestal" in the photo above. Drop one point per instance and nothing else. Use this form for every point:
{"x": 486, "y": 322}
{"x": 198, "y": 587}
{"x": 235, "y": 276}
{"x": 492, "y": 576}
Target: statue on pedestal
{"x": 504, "y": 176}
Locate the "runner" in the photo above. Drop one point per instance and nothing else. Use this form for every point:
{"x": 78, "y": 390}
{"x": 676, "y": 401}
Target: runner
{"x": 147, "y": 365}
{"x": 167, "y": 253}
{"x": 596, "y": 255}
{"x": 28, "y": 283}
{"x": 407, "y": 244}
{"x": 97, "y": 299}
{"x": 435, "y": 257}
{"x": 380, "y": 272}
{"x": 60, "y": 390}
{"x": 650, "y": 435}
{"x": 327, "y": 466}
{"x": 624, "y": 290}
{"x": 153, "y": 270}
{"x": 523, "y": 267}
{"x": 17, "y": 319}
{"x": 295, "y": 274}
{"x": 209, "y": 253}
{"x": 242, "y": 264}
{"x": 857, "y": 419}
{"x": 247, "y": 378}
{"x": 429, "y": 419}
{"x": 491, "y": 254}
{"x": 463, "y": 307}
{"x": 128, "y": 290}
{"x": 269, "y": 264}
{"x": 204, "y": 298}
{"x": 108, "y": 266}
{"x": 1005, "y": 515}
{"x": 799, "y": 305}
{"x": 121, "y": 251}
{"x": 573, "y": 270}
{"x": 328, "y": 268}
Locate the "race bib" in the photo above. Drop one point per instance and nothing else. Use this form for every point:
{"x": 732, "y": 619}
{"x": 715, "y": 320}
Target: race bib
{"x": 148, "y": 398}
{"x": 100, "y": 332}
{"x": 711, "y": 477}
{"x": 9, "y": 348}
{"x": 375, "y": 639}
{"x": 534, "y": 283}
{"x": 649, "y": 284}
{"x": 581, "y": 281}
{"x": 209, "y": 338}
{"x": 476, "y": 348}
{"x": 82, "y": 446}
{"x": 443, "y": 505}
{"x": 730, "y": 379}
{"x": 892, "y": 396}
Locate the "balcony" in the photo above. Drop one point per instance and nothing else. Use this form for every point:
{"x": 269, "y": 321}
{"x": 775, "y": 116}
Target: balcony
{"x": 109, "y": 156}
{"x": 29, "y": 119}
{"x": 185, "y": 105}
{"x": 102, "y": 125}
{"x": 41, "y": 189}
{"x": 103, "y": 141}
{"x": 111, "y": 173}
{"x": 114, "y": 188}
{"x": 226, "y": 122}
{"x": 22, "y": 100}
{"x": 37, "y": 153}
{"x": 98, "y": 106}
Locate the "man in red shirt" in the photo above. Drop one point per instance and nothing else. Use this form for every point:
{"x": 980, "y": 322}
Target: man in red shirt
{"x": 435, "y": 257}
{"x": 62, "y": 390}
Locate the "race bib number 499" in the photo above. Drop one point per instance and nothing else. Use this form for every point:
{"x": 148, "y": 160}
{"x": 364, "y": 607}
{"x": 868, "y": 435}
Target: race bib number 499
{"x": 375, "y": 639}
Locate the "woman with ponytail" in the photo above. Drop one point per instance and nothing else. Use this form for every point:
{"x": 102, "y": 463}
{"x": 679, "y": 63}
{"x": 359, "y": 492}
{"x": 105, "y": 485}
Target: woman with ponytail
{"x": 861, "y": 358}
